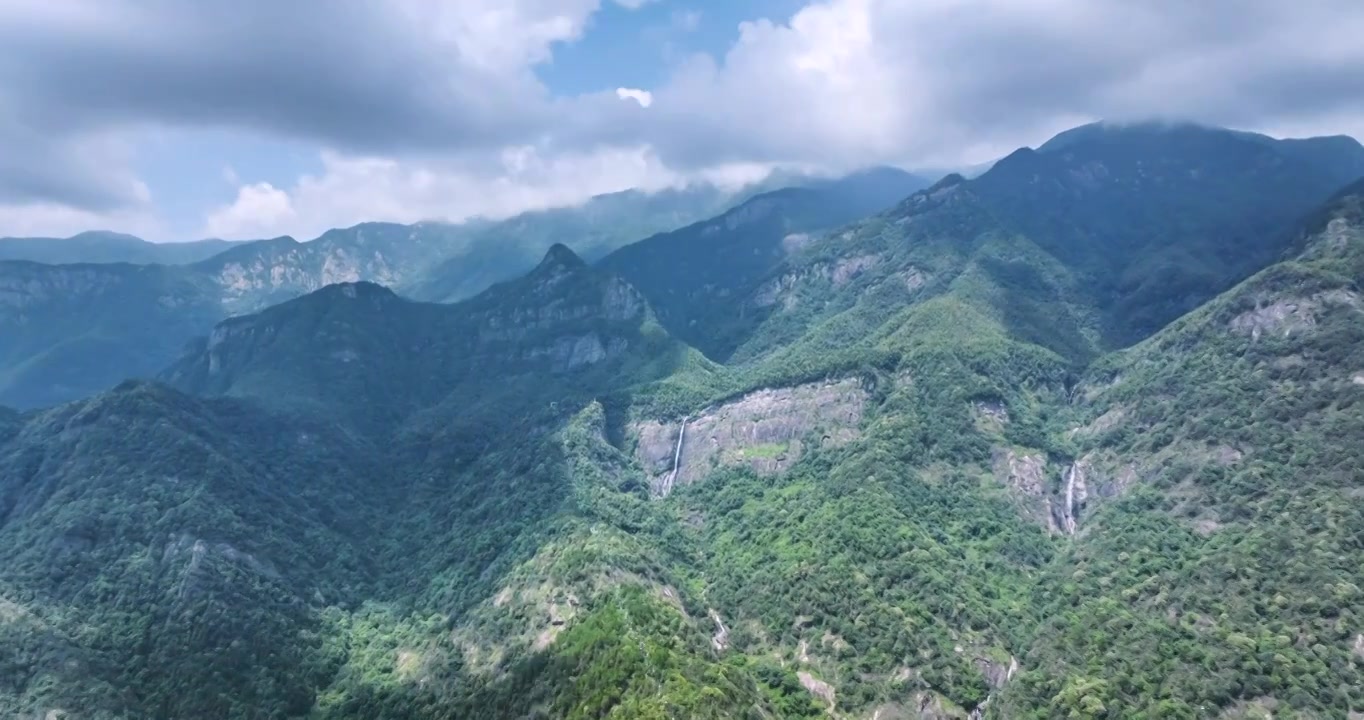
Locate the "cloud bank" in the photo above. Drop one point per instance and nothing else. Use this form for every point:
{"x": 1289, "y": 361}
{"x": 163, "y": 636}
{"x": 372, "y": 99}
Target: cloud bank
{"x": 434, "y": 109}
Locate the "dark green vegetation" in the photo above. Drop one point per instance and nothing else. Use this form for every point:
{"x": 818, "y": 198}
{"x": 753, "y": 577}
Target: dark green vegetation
{"x": 929, "y": 479}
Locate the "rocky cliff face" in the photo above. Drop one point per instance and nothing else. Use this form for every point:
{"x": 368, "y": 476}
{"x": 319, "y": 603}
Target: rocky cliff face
{"x": 23, "y": 284}
{"x": 359, "y": 343}
{"x": 767, "y": 431}
{"x": 258, "y": 274}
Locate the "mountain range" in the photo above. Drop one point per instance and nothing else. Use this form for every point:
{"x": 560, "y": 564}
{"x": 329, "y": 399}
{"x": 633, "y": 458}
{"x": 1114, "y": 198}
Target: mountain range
{"x": 146, "y": 314}
{"x": 1076, "y": 437}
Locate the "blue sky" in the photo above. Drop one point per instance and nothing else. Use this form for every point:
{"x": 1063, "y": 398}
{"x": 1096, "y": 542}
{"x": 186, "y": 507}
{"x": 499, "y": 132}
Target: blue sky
{"x": 636, "y": 47}
{"x": 252, "y": 118}
{"x": 621, "y": 47}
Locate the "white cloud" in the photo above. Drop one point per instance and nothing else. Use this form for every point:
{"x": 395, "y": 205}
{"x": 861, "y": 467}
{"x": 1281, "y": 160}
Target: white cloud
{"x": 353, "y": 189}
{"x": 643, "y": 97}
{"x": 259, "y": 211}
{"x": 433, "y": 108}
{"x": 633, "y": 4}
{"x": 43, "y": 219}
{"x": 950, "y": 81}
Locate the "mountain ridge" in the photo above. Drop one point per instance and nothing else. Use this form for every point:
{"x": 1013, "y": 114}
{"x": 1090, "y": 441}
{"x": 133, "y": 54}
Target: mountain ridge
{"x": 924, "y": 483}
{"x": 249, "y": 276}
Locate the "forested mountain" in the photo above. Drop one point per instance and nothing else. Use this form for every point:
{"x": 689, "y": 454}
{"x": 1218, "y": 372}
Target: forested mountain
{"x": 691, "y": 274}
{"x": 108, "y": 247}
{"x": 53, "y": 350}
{"x": 68, "y": 331}
{"x": 1145, "y": 222}
{"x": 803, "y": 204}
{"x": 940, "y": 462}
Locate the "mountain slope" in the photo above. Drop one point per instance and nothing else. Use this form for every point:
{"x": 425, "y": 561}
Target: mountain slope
{"x": 924, "y": 488}
{"x": 72, "y": 330}
{"x": 359, "y": 347}
{"x": 1159, "y": 218}
{"x": 688, "y": 274}
{"x": 1138, "y": 224}
{"x": 163, "y": 544}
{"x": 467, "y": 462}
{"x": 1223, "y": 567}
{"x": 41, "y": 368}
{"x": 606, "y": 223}
{"x": 608, "y": 530}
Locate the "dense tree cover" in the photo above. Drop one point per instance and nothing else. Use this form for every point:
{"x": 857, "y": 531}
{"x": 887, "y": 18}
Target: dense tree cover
{"x": 1233, "y": 572}
{"x": 410, "y": 510}
{"x": 690, "y": 274}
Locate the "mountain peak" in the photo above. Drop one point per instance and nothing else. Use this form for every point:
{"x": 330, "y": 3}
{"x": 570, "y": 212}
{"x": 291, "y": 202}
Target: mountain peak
{"x": 107, "y": 236}
{"x": 1107, "y": 130}
{"x": 949, "y": 180}
{"x": 358, "y": 289}
{"x": 560, "y": 256}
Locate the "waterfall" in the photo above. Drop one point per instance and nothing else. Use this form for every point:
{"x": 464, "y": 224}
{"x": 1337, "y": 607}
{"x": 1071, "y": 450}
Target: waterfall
{"x": 677, "y": 459}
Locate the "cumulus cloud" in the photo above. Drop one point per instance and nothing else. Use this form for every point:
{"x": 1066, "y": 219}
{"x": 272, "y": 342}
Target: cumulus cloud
{"x": 397, "y": 76}
{"x": 259, "y": 209}
{"x": 351, "y": 189}
{"x": 643, "y": 97}
{"x": 939, "y": 82}
{"x": 47, "y": 219}
{"x": 424, "y": 108}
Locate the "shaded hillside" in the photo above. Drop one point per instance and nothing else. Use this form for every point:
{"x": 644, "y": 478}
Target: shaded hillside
{"x": 1157, "y": 219}
{"x": 72, "y": 330}
{"x": 167, "y": 557}
{"x": 691, "y": 274}
{"x": 359, "y": 350}
{"x": 38, "y": 367}
{"x": 600, "y": 227}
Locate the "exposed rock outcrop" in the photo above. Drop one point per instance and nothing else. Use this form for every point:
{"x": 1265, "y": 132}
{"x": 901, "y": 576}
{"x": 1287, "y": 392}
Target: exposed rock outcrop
{"x": 198, "y": 557}
{"x": 845, "y": 269}
{"x": 913, "y": 277}
{"x": 817, "y": 687}
{"x": 569, "y": 353}
{"x": 997, "y": 673}
{"x": 1284, "y": 316}
{"x": 1059, "y": 507}
{"x": 766, "y": 430}
{"x": 25, "y": 284}
{"x": 1025, "y": 475}
{"x": 838, "y": 273}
